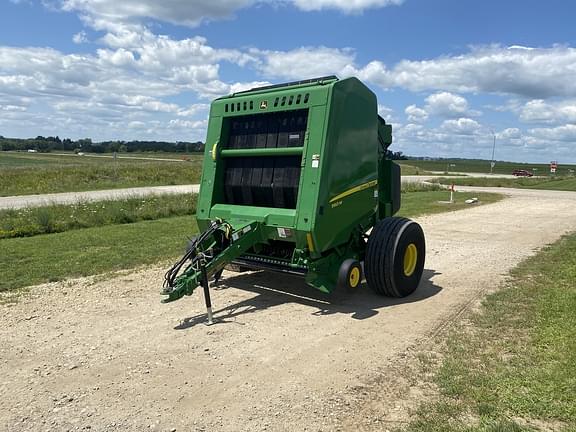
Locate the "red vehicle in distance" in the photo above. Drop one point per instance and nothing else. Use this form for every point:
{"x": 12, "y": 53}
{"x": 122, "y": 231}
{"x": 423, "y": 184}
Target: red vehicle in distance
{"x": 522, "y": 173}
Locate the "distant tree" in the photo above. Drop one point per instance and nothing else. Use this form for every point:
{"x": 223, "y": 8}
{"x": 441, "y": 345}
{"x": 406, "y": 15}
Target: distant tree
{"x": 395, "y": 155}
{"x": 46, "y": 144}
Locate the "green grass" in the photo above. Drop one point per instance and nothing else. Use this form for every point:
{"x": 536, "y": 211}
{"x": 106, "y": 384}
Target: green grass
{"x": 514, "y": 367}
{"x": 548, "y": 183}
{"x": 483, "y": 166}
{"x": 159, "y": 155}
{"x": 407, "y": 169}
{"x": 420, "y": 187}
{"x": 421, "y": 203}
{"x": 55, "y": 218}
{"x": 90, "y": 251}
{"x": 11, "y": 159}
{"x": 38, "y": 175}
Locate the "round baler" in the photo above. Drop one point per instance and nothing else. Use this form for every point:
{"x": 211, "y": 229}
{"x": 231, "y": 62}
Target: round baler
{"x": 295, "y": 179}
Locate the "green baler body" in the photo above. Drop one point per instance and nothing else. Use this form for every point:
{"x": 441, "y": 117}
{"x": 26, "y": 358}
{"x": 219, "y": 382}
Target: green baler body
{"x": 306, "y": 162}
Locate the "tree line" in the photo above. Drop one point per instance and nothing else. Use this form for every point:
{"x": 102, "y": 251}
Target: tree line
{"x": 47, "y": 144}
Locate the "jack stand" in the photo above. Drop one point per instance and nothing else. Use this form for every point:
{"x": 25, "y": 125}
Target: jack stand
{"x": 207, "y": 296}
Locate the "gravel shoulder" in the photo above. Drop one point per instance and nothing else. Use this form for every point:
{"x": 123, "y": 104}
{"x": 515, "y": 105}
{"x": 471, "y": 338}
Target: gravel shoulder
{"x": 21, "y": 201}
{"x": 103, "y": 354}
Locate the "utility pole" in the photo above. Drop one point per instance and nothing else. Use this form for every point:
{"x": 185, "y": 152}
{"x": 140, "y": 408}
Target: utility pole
{"x": 493, "y": 162}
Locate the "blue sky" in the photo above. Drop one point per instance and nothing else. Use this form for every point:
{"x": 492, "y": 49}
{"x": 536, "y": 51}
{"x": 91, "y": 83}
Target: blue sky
{"x": 448, "y": 74}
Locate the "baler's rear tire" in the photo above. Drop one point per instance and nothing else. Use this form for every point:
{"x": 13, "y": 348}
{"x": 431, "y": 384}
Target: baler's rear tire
{"x": 395, "y": 256}
{"x": 350, "y": 274}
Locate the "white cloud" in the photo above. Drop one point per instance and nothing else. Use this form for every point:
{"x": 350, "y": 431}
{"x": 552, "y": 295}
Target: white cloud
{"x": 559, "y": 133}
{"x": 535, "y": 73}
{"x": 348, "y": 6}
{"x": 119, "y": 57}
{"x": 80, "y": 38}
{"x": 12, "y": 108}
{"x": 192, "y": 13}
{"x": 415, "y": 114}
{"x": 305, "y": 62}
{"x": 539, "y": 111}
{"x": 136, "y": 125}
{"x": 184, "y": 12}
{"x": 188, "y": 124}
{"x": 94, "y": 94}
{"x": 193, "y": 110}
{"x": 386, "y": 113}
{"x": 462, "y": 126}
{"x": 445, "y": 104}
{"x": 510, "y": 133}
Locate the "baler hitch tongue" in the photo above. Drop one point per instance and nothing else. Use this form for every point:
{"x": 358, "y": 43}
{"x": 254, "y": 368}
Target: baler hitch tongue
{"x": 205, "y": 257}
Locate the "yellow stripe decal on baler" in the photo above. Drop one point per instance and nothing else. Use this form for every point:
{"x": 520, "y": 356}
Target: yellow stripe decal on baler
{"x": 354, "y": 190}
{"x": 310, "y": 242}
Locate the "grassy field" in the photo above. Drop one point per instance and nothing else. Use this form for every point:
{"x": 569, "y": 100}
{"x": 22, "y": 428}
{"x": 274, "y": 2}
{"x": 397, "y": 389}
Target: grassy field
{"x": 407, "y": 169}
{"x": 37, "y": 173}
{"x": 421, "y": 203}
{"x": 548, "y": 183}
{"x": 33, "y": 221}
{"x": 89, "y": 251}
{"x": 157, "y": 155}
{"x": 23, "y": 159}
{"x": 513, "y": 366}
{"x": 483, "y": 166}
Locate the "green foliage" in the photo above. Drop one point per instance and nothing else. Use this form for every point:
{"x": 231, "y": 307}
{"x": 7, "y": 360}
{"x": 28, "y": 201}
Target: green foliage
{"x": 33, "y": 221}
{"x": 44, "y": 220}
{"x": 518, "y": 358}
{"x": 47, "y": 144}
{"x": 420, "y": 187}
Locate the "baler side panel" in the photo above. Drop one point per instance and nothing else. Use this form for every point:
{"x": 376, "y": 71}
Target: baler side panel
{"x": 211, "y": 184}
{"x": 349, "y": 164}
{"x": 311, "y": 171}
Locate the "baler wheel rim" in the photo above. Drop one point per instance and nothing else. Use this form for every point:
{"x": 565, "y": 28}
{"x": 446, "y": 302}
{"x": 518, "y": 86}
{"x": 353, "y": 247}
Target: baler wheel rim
{"x": 354, "y": 278}
{"x": 410, "y": 259}
{"x": 350, "y": 274}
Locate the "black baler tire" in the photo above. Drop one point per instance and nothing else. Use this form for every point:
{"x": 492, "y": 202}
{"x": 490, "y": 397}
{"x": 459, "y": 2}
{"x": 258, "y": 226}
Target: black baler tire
{"x": 344, "y": 274}
{"x": 384, "y": 266}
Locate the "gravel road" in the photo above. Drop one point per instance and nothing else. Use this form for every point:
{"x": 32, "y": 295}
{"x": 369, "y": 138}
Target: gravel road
{"x": 102, "y": 354}
{"x": 21, "y": 201}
